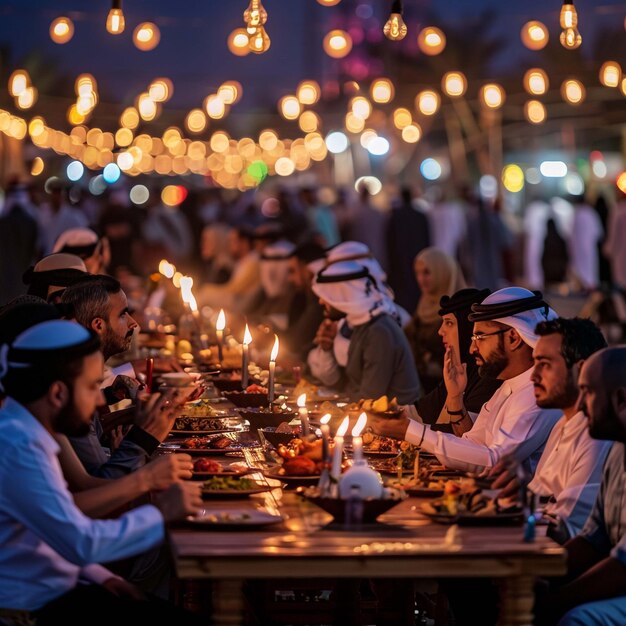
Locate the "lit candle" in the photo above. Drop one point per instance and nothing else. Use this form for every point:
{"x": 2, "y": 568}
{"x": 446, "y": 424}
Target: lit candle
{"x": 325, "y": 430}
{"x": 304, "y": 414}
{"x": 273, "y": 356}
{"x": 335, "y": 471}
{"x": 167, "y": 269}
{"x": 245, "y": 357}
{"x": 357, "y": 440}
{"x": 416, "y": 466}
{"x": 220, "y": 325}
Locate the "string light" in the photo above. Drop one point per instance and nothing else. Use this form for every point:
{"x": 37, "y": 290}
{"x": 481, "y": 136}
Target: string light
{"x": 61, "y": 30}
{"x": 454, "y": 84}
{"x": 535, "y": 35}
{"x": 570, "y": 37}
{"x": 573, "y": 91}
{"x": 238, "y": 42}
{"x": 431, "y": 41}
{"x": 492, "y": 96}
{"x": 146, "y": 36}
{"x": 115, "y": 19}
{"x": 610, "y": 74}
{"x": 259, "y": 41}
{"x": 536, "y": 82}
{"x": 395, "y": 28}
{"x": 254, "y": 16}
{"x": 337, "y": 44}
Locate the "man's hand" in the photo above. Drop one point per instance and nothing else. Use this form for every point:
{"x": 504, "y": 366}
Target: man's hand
{"x": 454, "y": 374}
{"x": 180, "y": 500}
{"x": 166, "y": 470}
{"x": 389, "y": 427}
{"x": 505, "y": 476}
{"x": 157, "y": 415}
{"x": 325, "y": 336}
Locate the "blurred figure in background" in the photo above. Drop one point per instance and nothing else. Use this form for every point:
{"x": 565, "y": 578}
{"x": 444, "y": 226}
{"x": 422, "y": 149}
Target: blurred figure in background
{"x": 368, "y": 225}
{"x": 19, "y": 234}
{"x": 84, "y": 243}
{"x": 408, "y": 233}
{"x": 587, "y": 232}
{"x": 616, "y": 237}
{"x": 535, "y": 226}
{"x": 447, "y": 225}
{"x": 438, "y": 275}
{"x": 217, "y": 264}
{"x": 320, "y": 216}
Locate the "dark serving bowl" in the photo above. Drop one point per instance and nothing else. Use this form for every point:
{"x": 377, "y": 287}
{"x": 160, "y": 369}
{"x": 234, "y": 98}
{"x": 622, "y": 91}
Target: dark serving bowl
{"x": 244, "y": 399}
{"x": 226, "y": 384}
{"x": 259, "y": 418}
{"x": 372, "y": 507}
{"x": 269, "y": 433}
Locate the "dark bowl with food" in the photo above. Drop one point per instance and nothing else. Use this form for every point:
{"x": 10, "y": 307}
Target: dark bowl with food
{"x": 188, "y": 423}
{"x": 223, "y": 383}
{"x": 372, "y": 507}
{"x": 260, "y": 417}
{"x": 276, "y": 438}
{"x": 246, "y": 399}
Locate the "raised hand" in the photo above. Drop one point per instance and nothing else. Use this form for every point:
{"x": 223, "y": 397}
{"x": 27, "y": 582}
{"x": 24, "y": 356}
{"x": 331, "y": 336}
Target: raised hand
{"x": 395, "y": 427}
{"x": 325, "y": 336}
{"x": 454, "y": 374}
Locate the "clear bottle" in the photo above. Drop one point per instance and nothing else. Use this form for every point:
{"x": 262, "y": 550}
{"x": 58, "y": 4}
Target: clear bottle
{"x": 354, "y": 507}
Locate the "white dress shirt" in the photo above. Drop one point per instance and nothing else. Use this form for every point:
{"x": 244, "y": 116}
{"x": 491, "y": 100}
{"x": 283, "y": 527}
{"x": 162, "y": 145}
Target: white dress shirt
{"x": 48, "y": 544}
{"x": 570, "y": 471}
{"x": 509, "y": 423}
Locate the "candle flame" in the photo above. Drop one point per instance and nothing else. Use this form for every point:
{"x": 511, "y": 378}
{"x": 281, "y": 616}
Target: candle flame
{"x": 325, "y": 418}
{"x": 193, "y": 305}
{"x": 166, "y": 268}
{"x": 343, "y": 427}
{"x": 221, "y": 321}
{"x": 360, "y": 425}
{"x": 301, "y": 400}
{"x": 176, "y": 279}
{"x": 274, "y": 353}
{"x": 247, "y": 337}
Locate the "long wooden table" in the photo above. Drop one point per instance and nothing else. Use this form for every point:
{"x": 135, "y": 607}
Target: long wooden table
{"x": 406, "y": 545}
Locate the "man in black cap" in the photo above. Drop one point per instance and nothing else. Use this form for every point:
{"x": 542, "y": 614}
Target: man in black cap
{"x": 48, "y": 567}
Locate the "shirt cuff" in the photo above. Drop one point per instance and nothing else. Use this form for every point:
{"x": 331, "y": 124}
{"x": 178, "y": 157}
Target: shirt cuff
{"x": 96, "y": 574}
{"x": 143, "y": 439}
{"x": 414, "y": 435}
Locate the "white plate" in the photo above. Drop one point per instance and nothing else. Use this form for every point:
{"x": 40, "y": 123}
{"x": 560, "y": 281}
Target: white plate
{"x": 210, "y": 517}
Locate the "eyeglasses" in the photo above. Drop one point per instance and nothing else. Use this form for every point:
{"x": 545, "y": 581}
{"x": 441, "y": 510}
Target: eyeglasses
{"x": 481, "y": 336}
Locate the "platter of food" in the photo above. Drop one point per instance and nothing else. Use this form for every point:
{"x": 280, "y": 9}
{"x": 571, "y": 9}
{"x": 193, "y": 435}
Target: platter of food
{"x": 216, "y": 444}
{"x": 233, "y": 487}
{"x": 204, "y": 468}
{"x": 233, "y": 519}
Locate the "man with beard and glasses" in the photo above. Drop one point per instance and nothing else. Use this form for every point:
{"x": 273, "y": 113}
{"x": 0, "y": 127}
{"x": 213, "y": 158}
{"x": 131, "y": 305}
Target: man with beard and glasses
{"x": 510, "y": 423}
{"x": 99, "y": 304}
{"x": 49, "y": 571}
{"x": 569, "y": 472}
{"x": 595, "y": 582}
{"x": 379, "y": 357}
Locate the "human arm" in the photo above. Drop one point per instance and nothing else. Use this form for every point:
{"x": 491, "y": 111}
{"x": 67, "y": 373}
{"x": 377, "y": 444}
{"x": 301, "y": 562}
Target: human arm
{"x": 455, "y": 380}
{"x": 154, "y": 476}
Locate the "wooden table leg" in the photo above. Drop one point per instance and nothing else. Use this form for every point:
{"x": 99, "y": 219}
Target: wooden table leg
{"x": 228, "y": 602}
{"x": 517, "y": 598}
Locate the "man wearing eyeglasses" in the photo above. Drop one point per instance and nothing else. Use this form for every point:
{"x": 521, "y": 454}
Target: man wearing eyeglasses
{"x": 510, "y": 422}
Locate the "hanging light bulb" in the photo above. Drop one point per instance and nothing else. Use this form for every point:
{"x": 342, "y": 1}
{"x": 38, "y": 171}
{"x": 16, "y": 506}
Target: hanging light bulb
{"x": 254, "y": 16}
{"x": 395, "y": 28}
{"x": 115, "y": 18}
{"x": 61, "y": 30}
{"x": 259, "y": 41}
{"x": 570, "y": 37}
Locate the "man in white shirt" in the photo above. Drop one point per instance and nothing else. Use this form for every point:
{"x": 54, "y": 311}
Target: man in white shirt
{"x": 49, "y": 568}
{"x": 510, "y": 423}
{"x": 569, "y": 472}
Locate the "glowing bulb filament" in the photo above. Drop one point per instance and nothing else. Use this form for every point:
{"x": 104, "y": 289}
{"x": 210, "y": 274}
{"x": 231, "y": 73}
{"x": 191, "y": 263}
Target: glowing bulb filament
{"x": 115, "y": 19}
{"x": 395, "y": 28}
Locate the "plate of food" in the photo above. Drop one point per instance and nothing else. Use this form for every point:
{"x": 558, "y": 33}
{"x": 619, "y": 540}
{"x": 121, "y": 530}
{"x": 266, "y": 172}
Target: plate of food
{"x": 204, "y": 468}
{"x": 233, "y": 518}
{"x": 418, "y": 487}
{"x": 376, "y": 445}
{"x": 294, "y": 472}
{"x": 217, "y": 444}
{"x": 233, "y": 487}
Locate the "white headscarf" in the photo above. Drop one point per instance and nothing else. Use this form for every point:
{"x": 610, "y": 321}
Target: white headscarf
{"x": 525, "y": 322}
{"x": 359, "y": 252}
{"x": 359, "y": 298}
{"x": 274, "y": 268}
{"x": 75, "y": 238}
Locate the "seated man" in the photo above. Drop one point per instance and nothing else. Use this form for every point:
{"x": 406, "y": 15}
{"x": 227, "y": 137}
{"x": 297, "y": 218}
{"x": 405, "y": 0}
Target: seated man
{"x": 49, "y": 277}
{"x": 379, "y": 358}
{"x": 100, "y": 305}
{"x": 510, "y": 423}
{"x": 49, "y": 572}
{"x": 596, "y": 579}
{"x": 570, "y": 469}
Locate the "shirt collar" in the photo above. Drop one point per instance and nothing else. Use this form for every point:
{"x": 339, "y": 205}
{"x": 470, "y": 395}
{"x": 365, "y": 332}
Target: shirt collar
{"x": 12, "y": 408}
{"x": 514, "y": 384}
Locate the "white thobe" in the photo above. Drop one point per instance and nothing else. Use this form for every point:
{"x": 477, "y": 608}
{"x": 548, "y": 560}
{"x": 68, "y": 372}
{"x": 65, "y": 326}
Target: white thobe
{"x": 614, "y": 247}
{"x": 570, "y": 471}
{"x": 509, "y": 423}
{"x": 587, "y": 231}
{"x": 448, "y": 226}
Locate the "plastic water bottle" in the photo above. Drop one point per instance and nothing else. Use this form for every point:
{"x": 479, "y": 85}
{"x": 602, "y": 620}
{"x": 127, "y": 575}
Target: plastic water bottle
{"x": 354, "y": 507}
